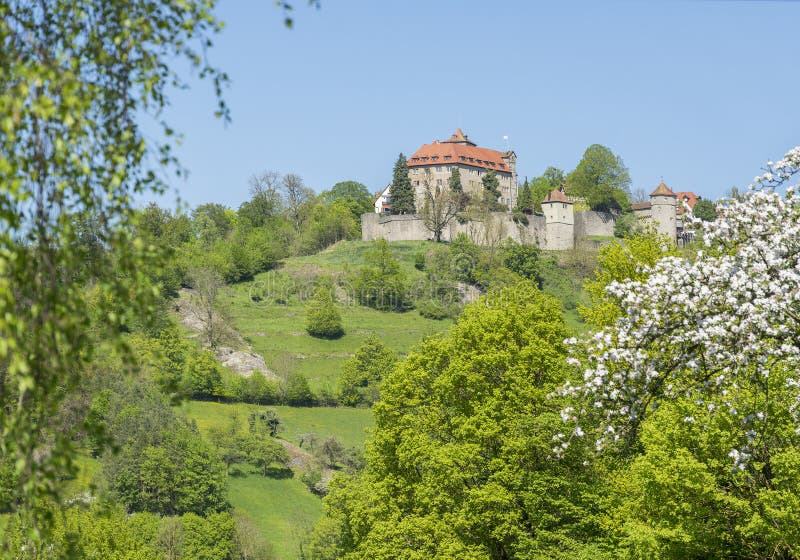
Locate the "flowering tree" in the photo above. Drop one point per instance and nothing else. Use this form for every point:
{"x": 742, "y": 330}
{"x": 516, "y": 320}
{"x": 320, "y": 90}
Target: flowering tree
{"x": 721, "y": 328}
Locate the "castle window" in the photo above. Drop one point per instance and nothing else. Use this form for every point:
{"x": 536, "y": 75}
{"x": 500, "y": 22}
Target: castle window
{"x": 563, "y": 205}
{"x": 438, "y": 182}
{"x": 439, "y": 168}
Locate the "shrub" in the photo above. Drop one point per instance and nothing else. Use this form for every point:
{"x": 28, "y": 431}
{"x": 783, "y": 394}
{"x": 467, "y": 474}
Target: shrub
{"x": 322, "y": 318}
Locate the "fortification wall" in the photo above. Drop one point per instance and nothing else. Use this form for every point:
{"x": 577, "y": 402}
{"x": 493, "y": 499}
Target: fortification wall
{"x": 498, "y": 226}
{"x": 393, "y": 228}
{"x": 590, "y": 222}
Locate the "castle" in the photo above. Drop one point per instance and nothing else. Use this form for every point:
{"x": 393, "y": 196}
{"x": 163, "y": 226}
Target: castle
{"x": 441, "y": 157}
{"x": 559, "y": 227}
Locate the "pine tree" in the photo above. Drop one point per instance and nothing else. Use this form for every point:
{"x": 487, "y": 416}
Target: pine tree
{"x": 455, "y": 181}
{"x": 525, "y": 200}
{"x": 402, "y": 194}
{"x": 491, "y": 190}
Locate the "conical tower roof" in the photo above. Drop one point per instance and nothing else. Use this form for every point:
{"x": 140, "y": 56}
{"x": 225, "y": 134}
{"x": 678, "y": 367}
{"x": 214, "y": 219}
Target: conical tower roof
{"x": 556, "y": 195}
{"x": 662, "y": 190}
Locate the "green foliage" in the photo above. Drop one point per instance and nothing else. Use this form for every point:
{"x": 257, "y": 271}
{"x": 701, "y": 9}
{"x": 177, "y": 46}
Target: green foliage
{"x": 436, "y": 296}
{"x": 491, "y": 191}
{"x": 362, "y": 374}
{"x": 76, "y": 80}
{"x": 262, "y": 452}
{"x": 626, "y": 225}
{"x": 464, "y": 257}
{"x": 525, "y": 202}
{"x": 322, "y": 318}
{"x": 619, "y": 261}
{"x": 203, "y": 376}
{"x": 329, "y": 224}
{"x": 353, "y": 195}
{"x": 401, "y": 192}
{"x": 552, "y": 178}
{"x": 458, "y": 465}
{"x": 602, "y": 179}
{"x": 419, "y": 260}
{"x": 209, "y": 538}
{"x": 381, "y": 285}
{"x": 297, "y": 391}
{"x": 454, "y": 182}
{"x": 523, "y": 259}
{"x": 705, "y": 210}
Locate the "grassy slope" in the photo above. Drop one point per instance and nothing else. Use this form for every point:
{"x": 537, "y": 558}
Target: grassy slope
{"x": 349, "y": 425}
{"x": 283, "y": 509}
{"x": 277, "y": 331}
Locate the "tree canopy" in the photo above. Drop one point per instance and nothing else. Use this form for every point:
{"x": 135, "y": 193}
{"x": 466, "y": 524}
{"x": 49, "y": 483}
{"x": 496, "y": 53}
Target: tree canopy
{"x": 602, "y": 179}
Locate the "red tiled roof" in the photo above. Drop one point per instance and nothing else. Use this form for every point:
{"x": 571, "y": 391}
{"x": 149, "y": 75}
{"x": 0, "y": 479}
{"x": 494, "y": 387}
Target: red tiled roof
{"x": 459, "y": 137}
{"x": 662, "y": 190}
{"x": 689, "y": 198}
{"x": 640, "y": 206}
{"x": 458, "y": 149}
{"x": 556, "y": 195}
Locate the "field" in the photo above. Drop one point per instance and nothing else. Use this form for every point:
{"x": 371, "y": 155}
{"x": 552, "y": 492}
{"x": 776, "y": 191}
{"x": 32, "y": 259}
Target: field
{"x": 349, "y": 425}
{"x": 277, "y": 330}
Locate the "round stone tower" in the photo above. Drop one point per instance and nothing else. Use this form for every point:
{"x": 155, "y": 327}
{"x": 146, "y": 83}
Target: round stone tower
{"x": 663, "y": 207}
{"x": 559, "y": 220}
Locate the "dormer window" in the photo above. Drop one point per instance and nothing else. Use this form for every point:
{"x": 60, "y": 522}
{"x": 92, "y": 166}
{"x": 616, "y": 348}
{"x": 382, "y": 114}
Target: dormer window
{"x": 447, "y": 158}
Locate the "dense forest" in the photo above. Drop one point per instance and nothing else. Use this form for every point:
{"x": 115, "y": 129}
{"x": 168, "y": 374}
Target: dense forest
{"x": 169, "y": 380}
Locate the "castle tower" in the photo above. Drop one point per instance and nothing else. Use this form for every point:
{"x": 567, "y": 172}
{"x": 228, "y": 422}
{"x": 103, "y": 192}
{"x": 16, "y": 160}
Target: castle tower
{"x": 559, "y": 219}
{"x": 663, "y": 204}
{"x": 510, "y": 157}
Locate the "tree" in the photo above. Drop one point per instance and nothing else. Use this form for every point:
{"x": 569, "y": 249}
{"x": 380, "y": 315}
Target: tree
{"x": 525, "y": 202}
{"x": 264, "y": 203}
{"x": 621, "y": 261}
{"x": 77, "y": 80}
{"x": 458, "y": 465}
{"x": 332, "y": 450}
{"x": 491, "y": 191}
{"x": 552, "y": 178}
{"x": 322, "y": 318}
{"x": 202, "y": 377}
{"x": 207, "y": 284}
{"x": 705, "y": 210}
{"x": 297, "y": 198}
{"x": 264, "y": 452}
{"x": 522, "y": 259}
{"x": 454, "y": 182}
{"x": 719, "y": 327}
{"x": 602, "y": 179}
{"x": 381, "y": 284}
{"x": 297, "y": 392}
{"x": 401, "y": 192}
{"x": 355, "y": 196}
{"x": 439, "y": 207}
{"x": 362, "y": 373}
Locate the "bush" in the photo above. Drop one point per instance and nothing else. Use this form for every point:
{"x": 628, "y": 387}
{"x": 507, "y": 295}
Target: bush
{"x": 297, "y": 392}
{"x": 433, "y": 309}
{"x": 322, "y": 318}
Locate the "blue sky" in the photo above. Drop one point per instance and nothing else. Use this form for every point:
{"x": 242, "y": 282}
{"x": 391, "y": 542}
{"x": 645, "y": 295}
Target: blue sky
{"x": 701, "y": 93}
